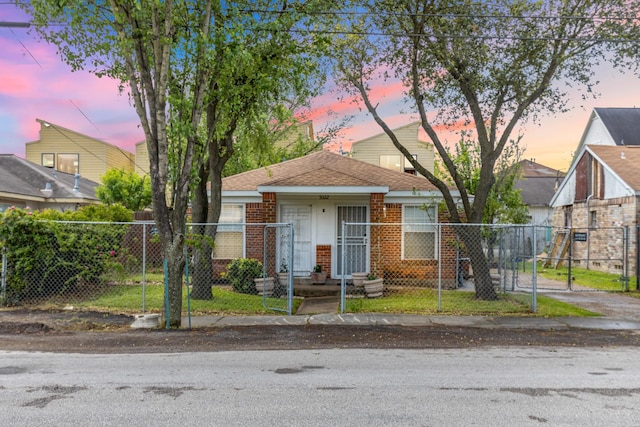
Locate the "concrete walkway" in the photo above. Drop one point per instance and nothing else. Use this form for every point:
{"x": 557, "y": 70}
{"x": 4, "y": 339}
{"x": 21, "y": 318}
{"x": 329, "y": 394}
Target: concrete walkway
{"x": 608, "y": 304}
{"x": 619, "y": 312}
{"x": 506, "y": 322}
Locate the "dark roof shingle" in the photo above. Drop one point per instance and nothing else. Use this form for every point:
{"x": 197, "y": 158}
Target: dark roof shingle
{"x": 21, "y": 177}
{"x": 623, "y": 124}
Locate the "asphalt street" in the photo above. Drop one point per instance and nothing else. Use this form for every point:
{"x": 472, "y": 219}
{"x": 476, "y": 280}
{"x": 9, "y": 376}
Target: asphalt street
{"x": 347, "y": 387}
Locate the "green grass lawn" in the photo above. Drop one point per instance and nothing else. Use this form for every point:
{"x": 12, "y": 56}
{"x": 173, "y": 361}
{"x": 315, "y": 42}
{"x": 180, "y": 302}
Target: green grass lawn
{"x": 589, "y": 278}
{"x": 463, "y": 303}
{"x": 128, "y": 299}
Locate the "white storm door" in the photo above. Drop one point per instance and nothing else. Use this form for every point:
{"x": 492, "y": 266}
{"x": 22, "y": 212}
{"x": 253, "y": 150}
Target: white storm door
{"x": 300, "y": 217}
{"x": 355, "y": 242}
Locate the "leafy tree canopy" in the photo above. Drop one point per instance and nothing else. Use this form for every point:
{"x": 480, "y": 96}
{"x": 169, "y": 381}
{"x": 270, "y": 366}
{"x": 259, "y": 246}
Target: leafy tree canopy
{"x": 126, "y": 188}
{"x": 504, "y": 204}
{"x": 488, "y": 66}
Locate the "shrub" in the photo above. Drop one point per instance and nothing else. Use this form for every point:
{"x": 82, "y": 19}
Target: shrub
{"x": 241, "y": 272}
{"x": 47, "y": 258}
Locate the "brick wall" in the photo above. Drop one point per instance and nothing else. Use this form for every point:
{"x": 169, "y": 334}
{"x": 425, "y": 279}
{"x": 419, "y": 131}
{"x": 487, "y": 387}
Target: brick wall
{"x": 323, "y": 257}
{"x": 254, "y": 235}
{"x": 604, "y": 248}
{"x": 386, "y": 252}
{"x": 377, "y": 211}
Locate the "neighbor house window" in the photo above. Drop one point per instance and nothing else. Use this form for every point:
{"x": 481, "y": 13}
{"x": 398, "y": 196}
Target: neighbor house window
{"x": 593, "y": 219}
{"x": 229, "y": 243}
{"x": 391, "y": 161}
{"x": 408, "y": 167}
{"x": 69, "y": 163}
{"x": 419, "y": 232}
{"x": 48, "y": 160}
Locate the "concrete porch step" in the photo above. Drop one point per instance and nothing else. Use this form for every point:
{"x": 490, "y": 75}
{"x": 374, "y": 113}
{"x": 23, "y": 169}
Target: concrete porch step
{"x": 319, "y": 305}
{"x": 306, "y": 290}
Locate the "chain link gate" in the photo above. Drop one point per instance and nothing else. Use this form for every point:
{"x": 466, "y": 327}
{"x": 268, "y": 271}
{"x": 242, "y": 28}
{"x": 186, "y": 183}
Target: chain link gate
{"x": 247, "y": 260}
{"x": 278, "y": 252}
{"x": 575, "y": 252}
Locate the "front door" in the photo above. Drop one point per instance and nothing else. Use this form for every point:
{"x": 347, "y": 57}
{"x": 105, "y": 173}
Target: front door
{"x": 355, "y": 241}
{"x": 300, "y": 217}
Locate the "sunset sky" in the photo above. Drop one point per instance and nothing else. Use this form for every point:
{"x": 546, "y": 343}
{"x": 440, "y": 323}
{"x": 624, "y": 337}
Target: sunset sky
{"x": 34, "y": 83}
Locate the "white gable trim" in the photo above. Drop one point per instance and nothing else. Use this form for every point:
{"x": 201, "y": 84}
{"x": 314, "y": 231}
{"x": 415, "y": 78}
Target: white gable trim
{"x": 627, "y": 190}
{"x": 566, "y": 192}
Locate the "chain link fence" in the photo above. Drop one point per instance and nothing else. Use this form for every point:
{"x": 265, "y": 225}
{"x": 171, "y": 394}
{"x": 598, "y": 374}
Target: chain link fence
{"x": 260, "y": 268}
{"x": 120, "y": 266}
{"x": 442, "y": 267}
{"x": 576, "y": 253}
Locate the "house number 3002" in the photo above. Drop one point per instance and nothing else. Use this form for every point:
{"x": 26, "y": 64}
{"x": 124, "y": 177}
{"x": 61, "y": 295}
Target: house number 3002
{"x": 324, "y": 197}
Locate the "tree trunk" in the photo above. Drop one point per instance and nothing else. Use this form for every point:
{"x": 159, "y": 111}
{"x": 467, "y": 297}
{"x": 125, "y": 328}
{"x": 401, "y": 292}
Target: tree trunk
{"x": 201, "y": 271}
{"x": 205, "y": 211}
{"x": 175, "y": 265}
{"x": 471, "y": 235}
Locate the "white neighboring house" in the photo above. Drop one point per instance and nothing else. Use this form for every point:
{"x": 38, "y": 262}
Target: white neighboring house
{"x": 611, "y": 126}
{"x": 537, "y": 185}
{"x": 600, "y": 194}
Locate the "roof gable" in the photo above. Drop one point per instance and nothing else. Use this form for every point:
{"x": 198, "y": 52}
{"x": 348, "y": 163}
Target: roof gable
{"x": 621, "y": 165}
{"x": 623, "y": 162}
{"x": 68, "y": 132}
{"x": 323, "y": 169}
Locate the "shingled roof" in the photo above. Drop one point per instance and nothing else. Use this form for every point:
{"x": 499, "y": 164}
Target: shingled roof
{"x": 325, "y": 169}
{"x": 23, "y": 178}
{"x": 623, "y": 124}
{"x": 538, "y": 183}
{"x": 623, "y": 161}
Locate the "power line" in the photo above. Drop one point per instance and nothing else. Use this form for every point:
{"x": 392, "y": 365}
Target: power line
{"x": 26, "y": 48}
{"x": 447, "y": 36}
{"x": 451, "y": 15}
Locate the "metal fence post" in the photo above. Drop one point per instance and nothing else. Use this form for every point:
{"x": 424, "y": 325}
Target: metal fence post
{"x": 343, "y": 287}
{"x": 4, "y": 275}
{"x": 186, "y": 278}
{"x": 534, "y": 278}
{"x": 439, "y": 237}
{"x": 625, "y": 267}
{"x": 144, "y": 266}
{"x": 290, "y": 270}
{"x": 637, "y": 256}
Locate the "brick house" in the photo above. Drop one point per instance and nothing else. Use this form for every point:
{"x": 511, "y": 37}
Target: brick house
{"x": 320, "y": 191}
{"x": 599, "y": 198}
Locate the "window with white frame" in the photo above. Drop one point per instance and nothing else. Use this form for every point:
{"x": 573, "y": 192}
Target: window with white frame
{"x": 48, "y": 160}
{"x": 419, "y": 232}
{"x": 229, "y": 243}
{"x": 391, "y": 161}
